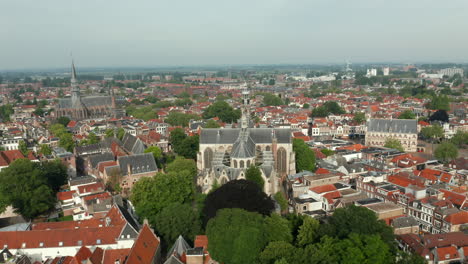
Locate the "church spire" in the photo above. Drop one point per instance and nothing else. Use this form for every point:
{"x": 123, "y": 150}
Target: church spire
{"x": 75, "y": 89}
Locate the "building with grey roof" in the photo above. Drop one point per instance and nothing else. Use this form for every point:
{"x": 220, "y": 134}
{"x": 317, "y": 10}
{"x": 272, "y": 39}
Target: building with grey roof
{"x": 79, "y": 107}
{"x": 403, "y": 130}
{"x": 225, "y": 153}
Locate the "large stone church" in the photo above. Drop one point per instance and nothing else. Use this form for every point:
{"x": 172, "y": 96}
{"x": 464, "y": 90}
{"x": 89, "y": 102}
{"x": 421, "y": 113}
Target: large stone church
{"x": 79, "y": 107}
{"x": 226, "y": 153}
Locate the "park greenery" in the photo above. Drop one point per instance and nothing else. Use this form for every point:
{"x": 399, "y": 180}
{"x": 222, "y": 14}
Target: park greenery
{"x": 446, "y": 152}
{"x": 271, "y": 100}
{"x": 30, "y": 187}
{"x": 65, "y": 137}
{"x": 330, "y": 107}
{"x": 223, "y": 111}
{"x": 305, "y": 157}
{"x": 407, "y": 114}
{"x": 180, "y": 119}
{"x": 254, "y": 174}
{"x": 186, "y": 146}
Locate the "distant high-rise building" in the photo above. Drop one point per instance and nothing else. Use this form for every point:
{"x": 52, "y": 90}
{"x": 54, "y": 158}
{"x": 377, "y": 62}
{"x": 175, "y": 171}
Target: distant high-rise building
{"x": 451, "y": 71}
{"x": 371, "y": 72}
{"x": 386, "y": 71}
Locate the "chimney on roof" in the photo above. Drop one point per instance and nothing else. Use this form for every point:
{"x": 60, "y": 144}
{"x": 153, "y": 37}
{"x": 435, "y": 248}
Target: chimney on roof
{"x": 129, "y": 169}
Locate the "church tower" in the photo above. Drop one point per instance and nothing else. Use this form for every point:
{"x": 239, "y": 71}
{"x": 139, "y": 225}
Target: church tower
{"x": 245, "y": 119}
{"x": 75, "y": 89}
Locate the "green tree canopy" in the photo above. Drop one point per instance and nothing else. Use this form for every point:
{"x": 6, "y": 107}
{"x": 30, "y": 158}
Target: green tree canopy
{"x": 66, "y": 141}
{"x": 188, "y": 148}
{"x": 180, "y": 119}
{"x": 63, "y": 120}
{"x": 407, "y": 114}
{"x": 238, "y": 236}
{"x": 283, "y": 203}
{"x": 271, "y": 100}
{"x": 359, "y": 117}
{"x": 157, "y": 154}
{"x": 433, "y": 132}
{"x": 23, "y": 147}
{"x": 212, "y": 124}
{"x": 152, "y": 194}
{"x": 460, "y": 138}
{"x": 24, "y": 186}
{"x": 223, "y": 110}
{"x": 305, "y": 157}
{"x": 181, "y": 164}
{"x": 45, "y": 149}
{"x": 394, "y": 143}
{"x": 254, "y": 174}
{"x": 308, "y": 231}
{"x": 446, "y": 152}
{"x": 439, "y": 102}
{"x": 177, "y": 219}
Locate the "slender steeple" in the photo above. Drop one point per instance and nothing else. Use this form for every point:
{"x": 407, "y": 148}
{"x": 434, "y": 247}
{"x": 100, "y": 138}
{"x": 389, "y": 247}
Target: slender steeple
{"x": 75, "y": 89}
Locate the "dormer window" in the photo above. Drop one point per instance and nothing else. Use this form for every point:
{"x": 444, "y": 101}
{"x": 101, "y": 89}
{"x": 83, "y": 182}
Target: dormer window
{"x": 23, "y": 245}
{"x": 98, "y": 241}
{"x": 41, "y": 244}
{"x": 60, "y": 244}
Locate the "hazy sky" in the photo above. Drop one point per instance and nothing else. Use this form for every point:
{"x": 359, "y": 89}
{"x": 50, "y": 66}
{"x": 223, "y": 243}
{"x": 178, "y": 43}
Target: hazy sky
{"x": 42, "y": 33}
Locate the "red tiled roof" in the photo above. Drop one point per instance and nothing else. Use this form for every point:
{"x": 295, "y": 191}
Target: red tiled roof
{"x": 8, "y": 156}
{"x": 112, "y": 255}
{"x": 447, "y": 253}
{"x": 323, "y": 188}
{"x": 322, "y": 171}
{"x": 93, "y": 187}
{"x": 68, "y": 237}
{"x": 455, "y": 198}
{"x": 458, "y": 218}
{"x": 100, "y": 196}
{"x": 83, "y": 254}
{"x": 62, "y": 196}
{"x": 145, "y": 247}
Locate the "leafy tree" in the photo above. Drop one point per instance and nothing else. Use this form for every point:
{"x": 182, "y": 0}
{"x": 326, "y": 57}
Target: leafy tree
{"x": 271, "y": 100}
{"x": 45, "y": 149}
{"x": 188, "y": 147}
{"x": 308, "y": 231}
{"x": 23, "y": 147}
{"x": 223, "y": 110}
{"x": 283, "y": 203}
{"x": 439, "y": 115}
{"x": 433, "y": 132}
{"x": 24, "y": 186}
{"x": 334, "y": 108}
{"x": 277, "y": 250}
{"x": 180, "y": 119}
{"x": 394, "y": 143}
{"x": 460, "y": 138}
{"x": 306, "y": 106}
{"x": 157, "y": 154}
{"x": 120, "y": 133}
{"x": 237, "y": 194}
{"x": 327, "y": 152}
{"x": 39, "y": 111}
{"x": 56, "y": 173}
{"x": 345, "y": 221}
{"x": 441, "y": 102}
{"x": 6, "y": 111}
{"x": 212, "y": 124}
{"x": 182, "y": 164}
{"x": 305, "y": 157}
{"x": 176, "y": 137}
{"x": 446, "y": 151}
{"x": 66, "y": 141}
{"x": 238, "y": 236}
{"x": 177, "y": 219}
{"x": 92, "y": 139}
{"x": 407, "y": 114}
{"x": 152, "y": 194}
{"x": 359, "y": 117}
{"x": 63, "y": 120}
{"x": 58, "y": 129}
{"x": 320, "y": 111}
{"x": 254, "y": 174}
{"x": 109, "y": 133}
